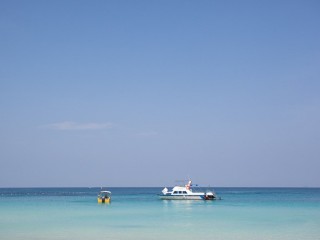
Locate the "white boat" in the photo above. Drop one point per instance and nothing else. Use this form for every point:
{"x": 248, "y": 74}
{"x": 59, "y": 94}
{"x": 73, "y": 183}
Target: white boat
{"x": 186, "y": 193}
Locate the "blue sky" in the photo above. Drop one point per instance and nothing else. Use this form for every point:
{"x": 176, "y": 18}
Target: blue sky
{"x": 143, "y": 93}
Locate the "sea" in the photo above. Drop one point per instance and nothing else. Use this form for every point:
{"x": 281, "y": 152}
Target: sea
{"x": 138, "y": 213}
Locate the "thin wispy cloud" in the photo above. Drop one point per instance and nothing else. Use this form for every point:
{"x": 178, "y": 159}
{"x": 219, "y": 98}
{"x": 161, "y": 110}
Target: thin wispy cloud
{"x": 68, "y": 125}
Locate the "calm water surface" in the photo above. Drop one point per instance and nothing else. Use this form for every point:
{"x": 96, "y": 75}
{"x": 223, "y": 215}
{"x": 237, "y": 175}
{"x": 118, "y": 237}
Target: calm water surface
{"x": 137, "y": 213}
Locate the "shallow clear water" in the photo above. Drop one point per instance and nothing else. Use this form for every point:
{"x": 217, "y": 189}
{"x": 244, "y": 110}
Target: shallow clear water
{"x": 137, "y": 213}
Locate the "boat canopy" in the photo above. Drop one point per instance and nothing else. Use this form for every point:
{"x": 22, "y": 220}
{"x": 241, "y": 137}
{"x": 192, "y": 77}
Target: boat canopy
{"x": 105, "y": 194}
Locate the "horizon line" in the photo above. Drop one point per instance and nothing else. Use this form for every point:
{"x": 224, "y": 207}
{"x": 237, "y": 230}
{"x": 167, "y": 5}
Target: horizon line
{"x": 159, "y": 187}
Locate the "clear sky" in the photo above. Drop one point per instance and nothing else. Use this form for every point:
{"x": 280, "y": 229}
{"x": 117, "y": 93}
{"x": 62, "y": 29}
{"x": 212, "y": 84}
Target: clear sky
{"x": 143, "y": 93}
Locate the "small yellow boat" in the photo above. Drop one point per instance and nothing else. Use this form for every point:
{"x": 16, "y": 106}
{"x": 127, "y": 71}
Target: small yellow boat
{"x": 104, "y": 197}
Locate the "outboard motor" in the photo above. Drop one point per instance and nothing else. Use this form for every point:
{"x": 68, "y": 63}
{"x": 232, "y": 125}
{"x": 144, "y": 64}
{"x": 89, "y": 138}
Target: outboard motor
{"x": 210, "y": 196}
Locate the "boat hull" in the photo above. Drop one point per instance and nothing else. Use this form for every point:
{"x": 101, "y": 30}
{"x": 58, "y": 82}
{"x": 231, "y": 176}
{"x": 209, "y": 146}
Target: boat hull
{"x": 104, "y": 200}
{"x": 182, "y": 197}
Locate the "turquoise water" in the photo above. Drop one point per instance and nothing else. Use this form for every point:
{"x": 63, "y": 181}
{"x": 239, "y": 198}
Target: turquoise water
{"x": 137, "y": 213}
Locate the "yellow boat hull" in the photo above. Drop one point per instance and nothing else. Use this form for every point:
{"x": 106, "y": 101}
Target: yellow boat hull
{"x": 104, "y": 200}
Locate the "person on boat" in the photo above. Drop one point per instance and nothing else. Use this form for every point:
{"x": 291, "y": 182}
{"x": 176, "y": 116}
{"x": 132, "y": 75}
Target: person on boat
{"x": 188, "y": 185}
